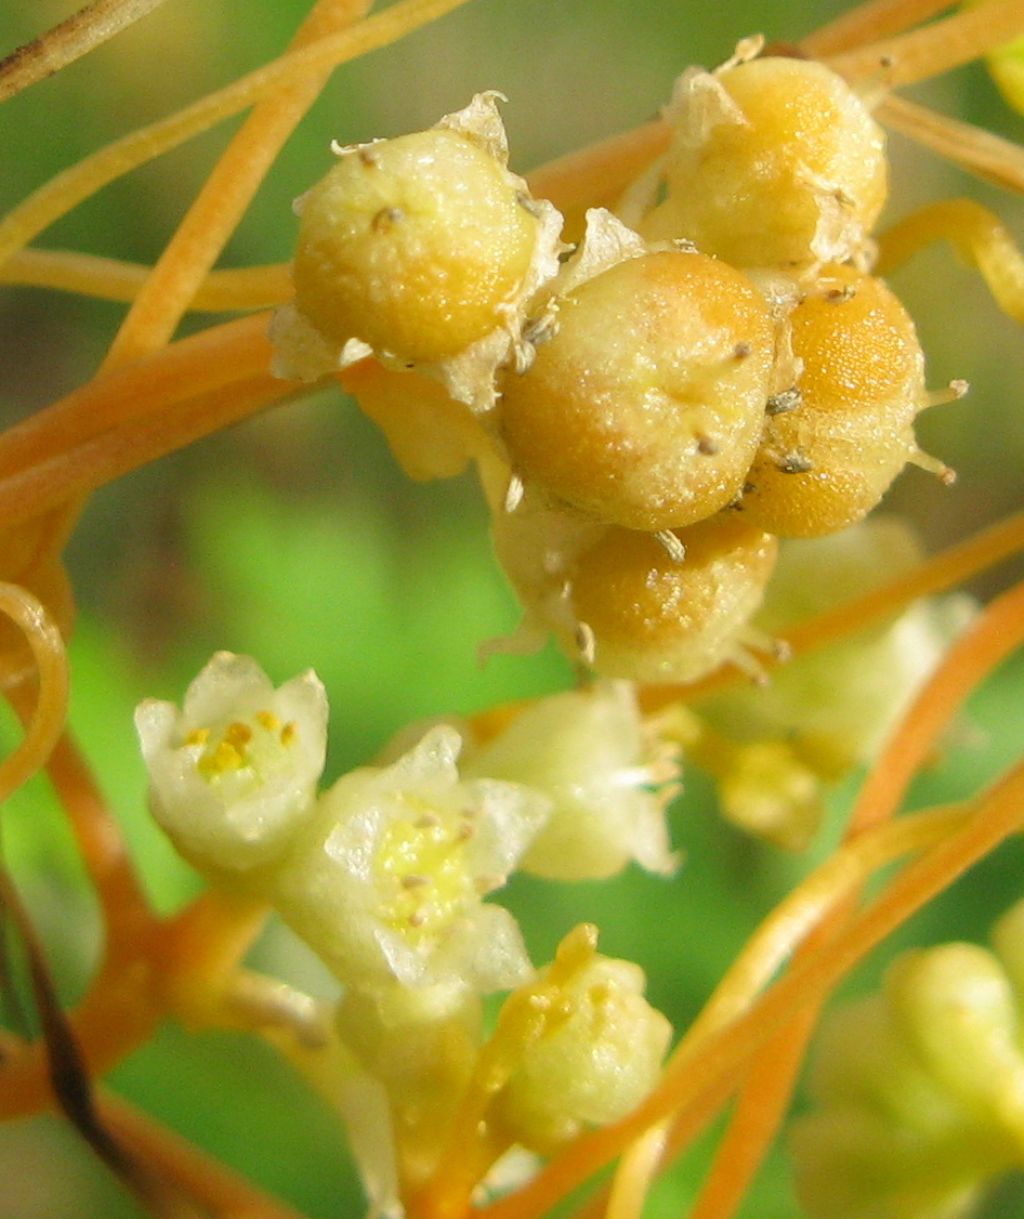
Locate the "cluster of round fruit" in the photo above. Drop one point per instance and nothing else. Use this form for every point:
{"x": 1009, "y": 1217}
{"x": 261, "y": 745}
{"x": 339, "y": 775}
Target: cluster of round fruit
{"x": 711, "y": 369}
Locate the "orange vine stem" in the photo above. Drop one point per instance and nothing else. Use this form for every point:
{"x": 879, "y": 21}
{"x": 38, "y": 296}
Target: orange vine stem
{"x": 115, "y": 279}
{"x": 869, "y": 22}
{"x": 127, "y": 917}
{"x": 978, "y": 236}
{"x": 226, "y": 193}
{"x": 64, "y": 192}
{"x": 73, "y": 38}
{"x": 766, "y": 1095}
{"x": 45, "y": 720}
{"x": 982, "y": 153}
{"x": 217, "y": 1189}
{"x": 205, "y": 362}
{"x": 694, "y": 1089}
{"x": 936, "y": 48}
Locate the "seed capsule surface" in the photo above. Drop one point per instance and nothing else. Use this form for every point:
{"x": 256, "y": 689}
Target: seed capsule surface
{"x": 413, "y": 245}
{"x": 646, "y": 407}
{"x": 828, "y": 461}
{"x": 653, "y": 618}
{"x": 775, "y": 162}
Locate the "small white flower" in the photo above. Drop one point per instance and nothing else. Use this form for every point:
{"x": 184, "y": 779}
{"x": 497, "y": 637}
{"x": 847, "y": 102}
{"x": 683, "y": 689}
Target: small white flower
{"x": 589, "y": 752}
{"x": 387, "y": 880}
{"x": 234, "y": 772}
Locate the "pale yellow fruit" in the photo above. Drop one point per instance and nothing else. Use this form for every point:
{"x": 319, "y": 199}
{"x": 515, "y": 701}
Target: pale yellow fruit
{"x": 413, "y": 245}
{"x": 646, "y": 407}
{"x": 774, "y": 162}
{"x": 827, "y": 462}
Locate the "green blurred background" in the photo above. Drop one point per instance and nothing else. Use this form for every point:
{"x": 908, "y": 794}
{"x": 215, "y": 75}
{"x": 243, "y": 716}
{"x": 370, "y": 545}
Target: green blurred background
{"x": 294, "y": 538}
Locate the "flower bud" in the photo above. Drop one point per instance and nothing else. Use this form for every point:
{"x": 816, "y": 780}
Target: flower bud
{"x": 418, "y": 248}
{"x": 233, "y": 774}
{"x": 956, "y": 1008}
{"x": 598, "y": 1056}
{"x": 588, "y": 752}
{"x": 652, "y": 616}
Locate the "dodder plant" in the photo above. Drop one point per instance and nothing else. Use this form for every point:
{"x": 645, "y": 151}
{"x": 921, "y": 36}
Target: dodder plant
{"x": 685, "y": 389}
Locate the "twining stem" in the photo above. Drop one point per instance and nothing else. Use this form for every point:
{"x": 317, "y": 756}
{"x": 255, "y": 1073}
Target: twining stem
{"x": 126, "y": 914}
{"x": 868, "y": 22}
{"x": 93, "y": 463}
{"x": 45, "y": 720}
{"x": 216, "y": 1188}
{"x": 694, "y": 1088}
{"x": 820, "y": 905}
{"x": 799, "y": 914}
{"x": 982, "y": 153}
{"x": 978, "y": 236}
{"x": 766, "y": 1094}
{"x": 934, "y": 49}
{"x": 114, "y": 279}
{"x": 992, "y": 637}
{"x": 73, "y": 38}
{"x": 65, "y": 191}
{"x": 211, "y": 360}
{"x": 225, "y": 195}
{"x": 199, "y": 948}
{"x": 760, "y": 1107}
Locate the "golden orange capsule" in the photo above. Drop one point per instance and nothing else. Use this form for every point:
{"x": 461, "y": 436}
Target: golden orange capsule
{"x": 646, "y": 407}
{"x": 774, "y": 162}
{"x": 829, "y": 454}
{"x": 651, "y": 617}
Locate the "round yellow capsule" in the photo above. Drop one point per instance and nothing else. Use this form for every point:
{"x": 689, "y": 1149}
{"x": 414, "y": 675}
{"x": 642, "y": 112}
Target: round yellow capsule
{"x": 413, "y": 245}
{"x": 646, "y": 407}
{"x": 652, "y": 617}
{"x": 774, "y": 162}
{"x": 828, "y": 459}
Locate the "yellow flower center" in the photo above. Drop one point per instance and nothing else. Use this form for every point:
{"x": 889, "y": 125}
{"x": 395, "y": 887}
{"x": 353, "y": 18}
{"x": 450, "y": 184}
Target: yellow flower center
{"x": 241, "y": 745}
{"x": 421, "y": 870}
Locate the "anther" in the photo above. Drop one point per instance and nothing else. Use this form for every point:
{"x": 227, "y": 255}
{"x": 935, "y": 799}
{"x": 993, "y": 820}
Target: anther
{"x": 787, "y": 400}
{"x": 514, "y": 493}
{"x": 586, "y": 644}
{"x": 674, "y": 548}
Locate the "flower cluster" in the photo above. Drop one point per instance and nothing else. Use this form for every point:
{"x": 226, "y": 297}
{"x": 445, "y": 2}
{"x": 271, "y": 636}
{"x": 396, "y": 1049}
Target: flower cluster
{"x": 710, "y": 369}
{"x": 919, "y": 1089}
{"x": 384, "y": 875}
